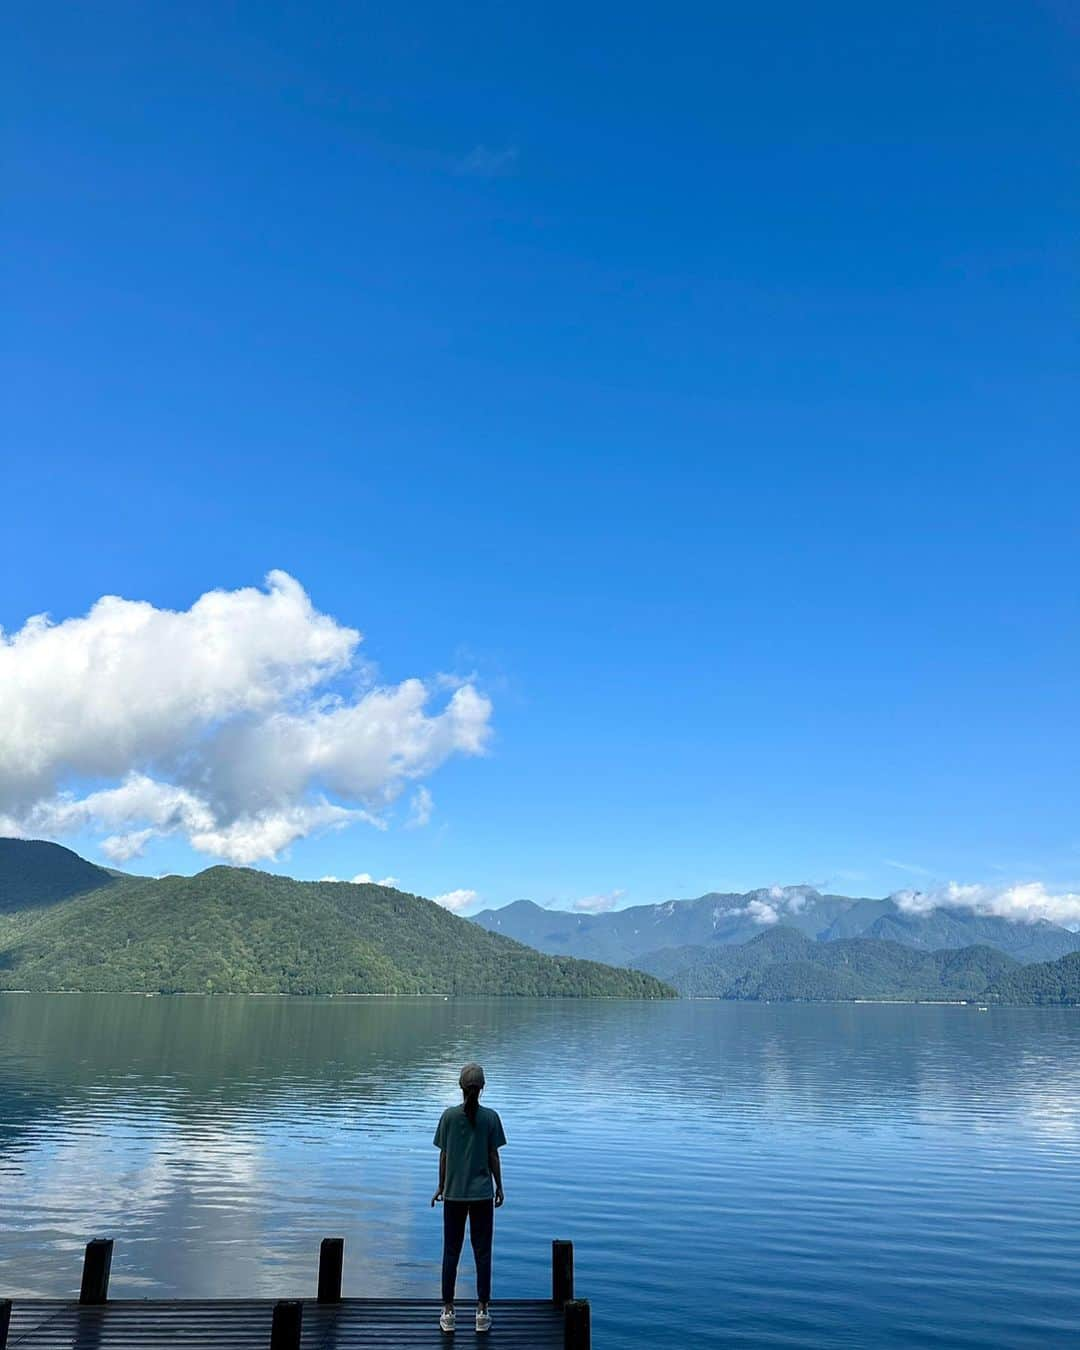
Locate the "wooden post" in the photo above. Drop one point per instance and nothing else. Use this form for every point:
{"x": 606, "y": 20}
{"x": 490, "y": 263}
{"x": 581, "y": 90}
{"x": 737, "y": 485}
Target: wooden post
{"x": 5, "y": 1321}
{"x": 286, "y": 1327}
{"x": 577, "y": 1330}
{"x": 562, "y": 1271}
{"x": 95, "y": 1272}
{"x": 331, "y": 1259}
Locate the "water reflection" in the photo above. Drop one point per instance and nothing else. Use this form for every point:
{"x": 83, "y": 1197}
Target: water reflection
{"x": 688, "y": 1147}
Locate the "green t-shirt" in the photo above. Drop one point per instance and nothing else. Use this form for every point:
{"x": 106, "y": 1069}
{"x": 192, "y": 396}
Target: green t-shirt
{"x": 468, "y": 1176}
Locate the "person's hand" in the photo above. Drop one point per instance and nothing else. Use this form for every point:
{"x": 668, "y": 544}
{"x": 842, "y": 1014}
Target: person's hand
{"x": 437, "y": 1196}
{"x": 499, "y": 1198}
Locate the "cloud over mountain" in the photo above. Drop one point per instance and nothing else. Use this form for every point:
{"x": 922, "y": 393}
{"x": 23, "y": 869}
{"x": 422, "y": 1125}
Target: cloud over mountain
{"x": 457, "y": 901}
{"x": 1023, "y": 902}
{"x": 243, "y": 723}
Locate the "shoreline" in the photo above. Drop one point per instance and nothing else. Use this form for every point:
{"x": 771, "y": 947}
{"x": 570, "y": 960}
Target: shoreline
{"x": 974, "y": 1004}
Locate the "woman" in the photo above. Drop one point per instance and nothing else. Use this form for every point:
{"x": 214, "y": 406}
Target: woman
{"x": 468, "y": 1138}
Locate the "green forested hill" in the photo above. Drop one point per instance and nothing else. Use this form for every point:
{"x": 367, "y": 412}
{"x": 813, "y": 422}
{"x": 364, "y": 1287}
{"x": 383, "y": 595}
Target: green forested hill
{"x": 68, "y": 925}
{"x": 34, "y": 873}
{"x": 1048, "y": 982}
{"x": 783, "y": 964}
{"x": 234, "y": 930}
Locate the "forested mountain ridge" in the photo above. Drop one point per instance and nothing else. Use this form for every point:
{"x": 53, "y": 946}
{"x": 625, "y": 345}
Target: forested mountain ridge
{"x": 1047, "y": 983}
{"x": 34, "y": 873}
{"x": 624, "y": 937}
{"x": 624, "y": 934}
{"x": 236, "y": 930}
{"x": 782, "y": 964}
{"x": 68, "y": 925}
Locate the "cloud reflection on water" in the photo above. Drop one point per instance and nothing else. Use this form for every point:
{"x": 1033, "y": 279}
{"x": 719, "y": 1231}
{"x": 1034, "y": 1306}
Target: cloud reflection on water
{"x": 220, "y": 1139}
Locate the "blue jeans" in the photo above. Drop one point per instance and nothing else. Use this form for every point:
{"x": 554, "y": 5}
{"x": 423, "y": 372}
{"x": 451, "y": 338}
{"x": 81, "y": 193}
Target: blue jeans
{"x": 481, "y": 1217}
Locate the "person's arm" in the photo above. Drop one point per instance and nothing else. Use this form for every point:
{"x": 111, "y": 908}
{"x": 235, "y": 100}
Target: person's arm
{"x": 496, "y": 1172}
{"x": 442, "y": 1177}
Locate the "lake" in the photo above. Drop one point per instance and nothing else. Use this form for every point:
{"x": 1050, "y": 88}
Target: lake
{"x": 731, "y": 1174}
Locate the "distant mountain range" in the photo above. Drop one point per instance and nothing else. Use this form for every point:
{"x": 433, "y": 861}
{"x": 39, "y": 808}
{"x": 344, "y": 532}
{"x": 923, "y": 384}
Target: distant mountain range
{"x": 629, "y": 936}
{"x": 782, "y": 964}
{"x": 68, "y": 925}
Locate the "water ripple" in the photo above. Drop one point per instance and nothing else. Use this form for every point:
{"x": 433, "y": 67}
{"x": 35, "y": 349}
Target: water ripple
{"x": 736, "y": 1175}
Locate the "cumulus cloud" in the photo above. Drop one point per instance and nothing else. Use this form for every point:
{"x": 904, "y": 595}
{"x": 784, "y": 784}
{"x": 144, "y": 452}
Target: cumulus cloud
{"x": 768, "y": 906}
{"x": 760, "y": 911}
{"x": 364, "y": 879}
{"x": 598, "y": 904}
{"x": 457, "y": 901}
{"x": 120, "y": 848}
{"x": 242, "y": 723}
{"x": 790, "y": 898}
{"x": 1025, "y": 902}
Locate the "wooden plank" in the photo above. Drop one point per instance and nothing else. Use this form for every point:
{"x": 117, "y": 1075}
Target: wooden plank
{"x": 562, "y": 1271}
{"x": 577, "y": 1325}
{"x": 247, "y": 1324}
{"x": 331, "y": 1261}
{"x": 287, "y": 1324}
{"x": 96, "y": 1266}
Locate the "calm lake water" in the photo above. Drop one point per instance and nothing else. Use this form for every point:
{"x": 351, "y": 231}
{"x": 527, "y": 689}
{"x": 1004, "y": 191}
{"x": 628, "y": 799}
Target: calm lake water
{"x": 731, "y": 1174}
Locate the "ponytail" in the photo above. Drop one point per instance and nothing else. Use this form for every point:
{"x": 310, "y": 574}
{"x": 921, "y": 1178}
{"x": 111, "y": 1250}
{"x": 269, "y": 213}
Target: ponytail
{"x": 472, "y": 1102}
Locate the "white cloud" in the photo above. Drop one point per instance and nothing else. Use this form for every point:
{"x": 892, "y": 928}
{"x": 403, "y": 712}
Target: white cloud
{"x": 456, "y": 901}
{"x": 790, "y": 898}
{"x": 120, "y": 848}
{"x": 781, "y": 899}
{"x": 598, "y": 904}
{"x": 1025, "y": 902}
{"x": 220, "y": 722}
{"x": 364, "y": 879}
{"x": 420, "y": 808}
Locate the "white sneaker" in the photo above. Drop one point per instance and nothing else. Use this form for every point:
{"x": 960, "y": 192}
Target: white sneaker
{"x": 446, "y": 1319}
{"x": 483, "y": 1319}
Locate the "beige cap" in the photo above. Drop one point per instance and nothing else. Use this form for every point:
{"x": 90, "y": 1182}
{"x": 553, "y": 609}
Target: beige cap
{"x": 472, "y": 1075}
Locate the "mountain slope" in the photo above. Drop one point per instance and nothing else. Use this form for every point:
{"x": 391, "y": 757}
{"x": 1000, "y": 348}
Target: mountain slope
{"x": 624, "y": 934}
{"x": 240, "y": 931}
{"x": 938, "y": 928}
{"x": 774, "y": 944}
{"x": 34, "y": 873}
{"x": 624, "y": 937}
{"x": 1047, "y": 983}
{"x": 784, "y": 964}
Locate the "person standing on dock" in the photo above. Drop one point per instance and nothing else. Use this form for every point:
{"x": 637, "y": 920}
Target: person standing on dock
{"x": 468, "y": 1138}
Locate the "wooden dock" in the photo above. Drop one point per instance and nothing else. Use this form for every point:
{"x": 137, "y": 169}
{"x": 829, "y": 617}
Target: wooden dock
{"x": 326, "y": 1322}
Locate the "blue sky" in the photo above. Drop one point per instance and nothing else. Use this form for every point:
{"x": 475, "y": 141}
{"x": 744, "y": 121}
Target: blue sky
{"x": 696, "y": 383}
